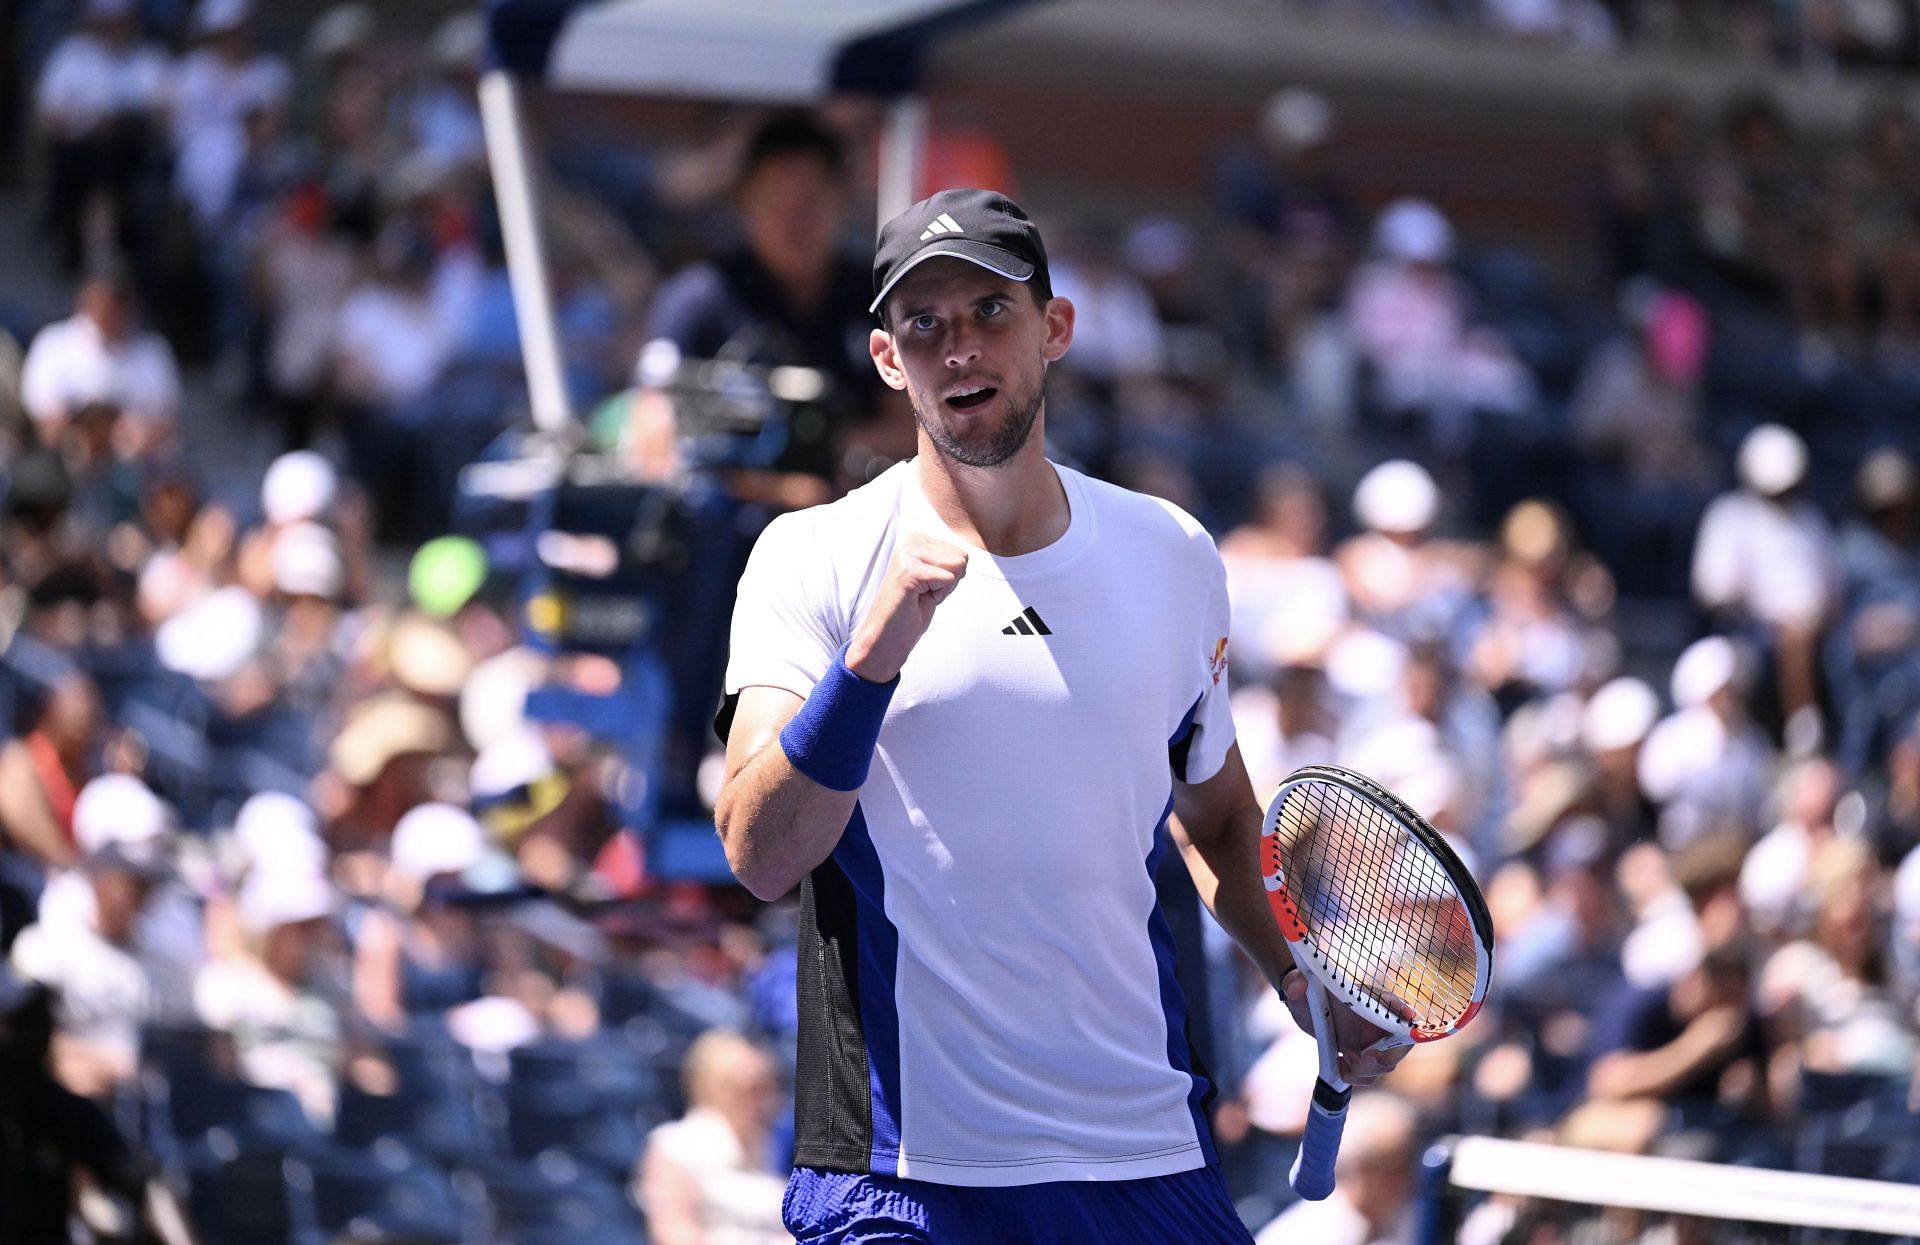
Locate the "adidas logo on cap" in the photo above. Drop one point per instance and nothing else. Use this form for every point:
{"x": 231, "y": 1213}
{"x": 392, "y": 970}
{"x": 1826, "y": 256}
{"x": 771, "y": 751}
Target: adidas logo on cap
{"x": 941, "y": 224}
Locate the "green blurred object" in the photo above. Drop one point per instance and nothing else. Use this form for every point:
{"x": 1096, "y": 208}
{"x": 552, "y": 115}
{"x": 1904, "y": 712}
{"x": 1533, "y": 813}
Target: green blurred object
{"x": 445, "y": 574}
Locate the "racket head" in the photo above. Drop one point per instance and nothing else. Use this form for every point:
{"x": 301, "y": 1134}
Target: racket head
{"x": 1375, "y": 903}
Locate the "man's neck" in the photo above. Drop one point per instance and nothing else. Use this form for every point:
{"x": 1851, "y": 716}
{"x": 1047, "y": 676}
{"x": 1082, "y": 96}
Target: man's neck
{"x": 1015, "y": 508}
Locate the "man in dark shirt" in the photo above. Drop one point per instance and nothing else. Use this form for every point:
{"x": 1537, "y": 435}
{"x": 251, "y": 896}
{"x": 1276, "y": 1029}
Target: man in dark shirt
{"x": 785, "y": 295}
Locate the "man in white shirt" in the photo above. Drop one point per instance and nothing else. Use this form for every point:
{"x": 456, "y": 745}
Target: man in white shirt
{"x": 98, "y": 98}
{"x": 965, "y": 705}
{"x": 226, "y": 77}
{"x": 101, "y": 356}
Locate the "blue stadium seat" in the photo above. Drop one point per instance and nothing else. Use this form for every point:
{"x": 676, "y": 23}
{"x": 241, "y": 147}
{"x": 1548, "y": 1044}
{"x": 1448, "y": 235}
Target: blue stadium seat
{"x": 556, "y": 1194}
{"x": 570, "y": 1119}
{"x": 190, "y": 1106}
{"x": 606, "y": 1067}
{"x": 384, "y": 1192}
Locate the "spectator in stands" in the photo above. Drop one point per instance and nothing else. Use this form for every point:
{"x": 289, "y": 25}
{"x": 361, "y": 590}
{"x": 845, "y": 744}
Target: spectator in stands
{"x": 1285, "y": 724}
{"x": 1706, "y": 766}
{"x": 41, "y": 773}
{"x": 101, "y": 355}
{"x": 1566, "y": 958}
{"x": 280, "y": 999}
{"x": 1650, "y": 176}
{"x": 303, "y": 271}
{"x": 1614, "y": 724}
{"x": 1750, "y": 194}
{"x": 1874, "y": 649}
{"x": 1636, "y": 416}
{"x": 1766, "y": 562}
{"x": 1288, "y": 600}
{"x": 1398, "y": 579}
{"x": 1537, "y": 630}
{"x": 551, "y": 817}
{"x": 88, "y": 955}
{"x": 1373, "y": 1192}
{"x": 1776, "y": 880}
{"x": 1696, "y": 1044}
{"x": 1290, "y": 228}
{"x": 96, "y": 107}
{"x": 225, "y": 76}
{"x": 1431, "y": 368}
{"x": 1832, "y": 992}
{"x": 708, "y": 1178}
{"x": 49, "y": 1135}
{"x": 421, "y": 953}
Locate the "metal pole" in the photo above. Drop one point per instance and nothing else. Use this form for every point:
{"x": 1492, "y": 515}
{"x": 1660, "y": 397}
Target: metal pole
{"x": 526, "y": 255}
{"x": 901, "y": 152}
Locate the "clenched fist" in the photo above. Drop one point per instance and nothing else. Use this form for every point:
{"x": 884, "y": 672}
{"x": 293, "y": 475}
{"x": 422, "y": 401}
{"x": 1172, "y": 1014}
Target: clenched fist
{"x": 924, "y": 572}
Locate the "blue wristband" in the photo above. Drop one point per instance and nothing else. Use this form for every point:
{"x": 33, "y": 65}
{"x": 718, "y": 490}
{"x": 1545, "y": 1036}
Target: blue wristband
{"x": 831, "y": 739}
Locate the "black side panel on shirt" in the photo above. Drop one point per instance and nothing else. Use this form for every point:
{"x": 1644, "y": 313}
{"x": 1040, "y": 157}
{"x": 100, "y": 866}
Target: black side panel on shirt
{"x": 1177, "y": 752}
{"x": 832, "y": 1107}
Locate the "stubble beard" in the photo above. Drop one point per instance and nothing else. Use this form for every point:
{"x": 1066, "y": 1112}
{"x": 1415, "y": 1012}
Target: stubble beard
{"x": 1001, "y": 444}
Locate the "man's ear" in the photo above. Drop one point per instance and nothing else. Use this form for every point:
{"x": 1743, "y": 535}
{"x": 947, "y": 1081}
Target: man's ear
{"x": 1059, "y": 313}
{"x": 886, "y": 359}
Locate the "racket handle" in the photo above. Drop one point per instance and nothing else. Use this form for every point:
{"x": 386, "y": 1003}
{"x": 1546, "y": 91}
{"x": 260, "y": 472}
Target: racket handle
{"x": 1312, "y": 1175}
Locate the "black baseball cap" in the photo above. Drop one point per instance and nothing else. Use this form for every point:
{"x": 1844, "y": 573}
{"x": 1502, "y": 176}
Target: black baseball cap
{"x": 982, "y": 227}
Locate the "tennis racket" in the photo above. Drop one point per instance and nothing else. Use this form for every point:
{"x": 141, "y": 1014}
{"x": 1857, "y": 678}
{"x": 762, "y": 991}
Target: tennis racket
{"x": 1383, "y": 920}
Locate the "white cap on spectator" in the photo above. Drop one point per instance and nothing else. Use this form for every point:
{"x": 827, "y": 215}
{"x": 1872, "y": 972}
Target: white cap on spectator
{"x": 278, "y": 831}
{"x": 1363, "y": 664}
{"x": 1295, "y": 119}
{"x": 1703, "y": 669}
{"x": 433, "y": 839}
{"x": 298, "y": 485}
{"x": 1396, "y": 496}
{"x": 212, "y": 638}
{"x": 1619, "y": 715}
{"x": 285, "y": 896}
{"x": 117, "y": 809}
{"x": 1772, "y": 460}
{"x": 493, "y": 702}
{"x": 216, "y": 16}
{"x": 1415, "y": 232}
{"x": 516, "y": 759}
{"x": 306, "y": 562}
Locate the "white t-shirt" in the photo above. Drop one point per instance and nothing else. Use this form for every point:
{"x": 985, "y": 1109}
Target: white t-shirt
{"x": 211, "y": 91}
{"x": 1775, "y": 562}
{"x": 88, "y": 81}
{"x": 739, "y": 1199}
{"x": 986, "y": 993}
{"x": 71, "y": 363}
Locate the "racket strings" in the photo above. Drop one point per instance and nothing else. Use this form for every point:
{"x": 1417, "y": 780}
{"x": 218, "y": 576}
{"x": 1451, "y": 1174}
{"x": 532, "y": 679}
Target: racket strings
{"x": 1377, "y": 905}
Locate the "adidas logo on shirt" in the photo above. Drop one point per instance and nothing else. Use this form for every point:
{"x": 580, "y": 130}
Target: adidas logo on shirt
{"x": 1027, "y": 623}
{"x": 941, "y": 224}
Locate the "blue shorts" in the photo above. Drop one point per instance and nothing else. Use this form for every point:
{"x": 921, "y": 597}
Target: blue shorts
{"x": 841, "y": 1208}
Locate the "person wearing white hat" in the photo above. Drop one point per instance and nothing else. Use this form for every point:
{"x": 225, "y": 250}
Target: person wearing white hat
{"x": 1614, "y": 723}
{"x": 1706, "y": 766}
{"x": 1767, "y": 559}
{"x": 225, "y": 77}
{"x": 1398, "y": 578}
{"x": 99, "y": 94}
{"x": 87, "y": 942}
{"x": 419, "y": 953}
{"x": 273, "y": 999}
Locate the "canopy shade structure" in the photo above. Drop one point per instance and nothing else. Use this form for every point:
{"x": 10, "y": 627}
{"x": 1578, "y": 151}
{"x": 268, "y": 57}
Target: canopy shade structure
{"x": 748, "y": 51}
{"x": 755, "y": 51}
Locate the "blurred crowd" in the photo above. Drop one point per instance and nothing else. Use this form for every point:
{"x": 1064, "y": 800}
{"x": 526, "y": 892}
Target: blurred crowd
{"x": 1815, "y": 36}
{"x": 1622, "y": 592}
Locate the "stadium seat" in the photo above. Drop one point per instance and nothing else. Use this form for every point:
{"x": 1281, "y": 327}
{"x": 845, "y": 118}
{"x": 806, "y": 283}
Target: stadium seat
{"x": 384, "y": 1192}
{"x": 608, "y": 1068}
{"x": 248, "y": 1200}
{"x": 605, "y": 1138}
{"x": 556, "y": 1194}
{"x": 190, "y": 1105}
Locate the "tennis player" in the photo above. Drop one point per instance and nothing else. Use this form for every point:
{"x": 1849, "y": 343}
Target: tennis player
{"x": 971, "y": 707}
